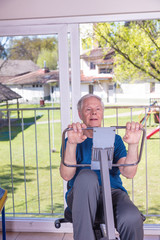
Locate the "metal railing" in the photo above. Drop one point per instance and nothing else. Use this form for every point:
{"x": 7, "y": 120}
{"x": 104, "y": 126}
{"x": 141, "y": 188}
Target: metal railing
{"x": 147, "y": 115}
{"x": 30, "y": 158}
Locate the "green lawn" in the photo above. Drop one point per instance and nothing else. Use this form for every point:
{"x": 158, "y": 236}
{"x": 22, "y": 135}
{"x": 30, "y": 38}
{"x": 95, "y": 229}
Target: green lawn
{"x": 16, "y": 192}
{"x": 43, "y": 156}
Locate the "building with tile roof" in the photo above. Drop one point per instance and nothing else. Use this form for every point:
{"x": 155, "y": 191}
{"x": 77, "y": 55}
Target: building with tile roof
{"x": 13, "y": 68}
{"x": 33, "y": 83}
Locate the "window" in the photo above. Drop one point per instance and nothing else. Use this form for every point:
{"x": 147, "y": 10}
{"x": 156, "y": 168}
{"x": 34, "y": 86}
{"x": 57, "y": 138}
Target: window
{"x": 91, "y": 89}
{"x": 105, "y": 70}
{"x": 152, "y": 87}
{"x": 102, "y": 70}
{"x": 110, "y": 87}
{"x": 92, "y": 65}
{"x": 109, "y": 70}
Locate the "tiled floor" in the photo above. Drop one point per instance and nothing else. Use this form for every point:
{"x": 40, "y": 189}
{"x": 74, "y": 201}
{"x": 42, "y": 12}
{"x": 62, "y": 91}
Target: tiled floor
{"x": 50, "y": 236}
{"x": 37, "y": 236}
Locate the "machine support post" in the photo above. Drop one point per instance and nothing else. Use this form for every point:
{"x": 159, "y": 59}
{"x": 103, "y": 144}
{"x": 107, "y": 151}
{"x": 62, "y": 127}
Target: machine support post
{"x": 107, "y": 198}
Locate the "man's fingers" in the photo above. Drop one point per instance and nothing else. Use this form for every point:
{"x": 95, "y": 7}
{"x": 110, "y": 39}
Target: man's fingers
{"x": 133, "y": 126}
{"x": 84, "y": 125}
{"x": 74, "y": 127}
{"x": 128, "y": 126}
{"x": 79, "y": 127}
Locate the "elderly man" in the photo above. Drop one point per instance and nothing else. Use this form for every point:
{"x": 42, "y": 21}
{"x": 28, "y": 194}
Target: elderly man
{"x": 84, "y": 196}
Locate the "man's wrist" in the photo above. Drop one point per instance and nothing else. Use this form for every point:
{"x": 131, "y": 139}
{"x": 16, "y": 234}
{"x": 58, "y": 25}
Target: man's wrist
{"x": 70, "y": 144}
{"x": 133, "y": 144}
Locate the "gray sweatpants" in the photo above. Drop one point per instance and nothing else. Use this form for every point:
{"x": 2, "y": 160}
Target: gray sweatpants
{"x": 85, "y": 201}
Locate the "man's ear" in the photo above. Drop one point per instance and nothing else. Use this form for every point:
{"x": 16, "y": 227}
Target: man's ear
{"x": 80, "y": 115}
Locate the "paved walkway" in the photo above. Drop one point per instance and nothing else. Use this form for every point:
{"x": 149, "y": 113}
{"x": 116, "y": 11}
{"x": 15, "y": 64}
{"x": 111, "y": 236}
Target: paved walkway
{"x": 109, "y": 116}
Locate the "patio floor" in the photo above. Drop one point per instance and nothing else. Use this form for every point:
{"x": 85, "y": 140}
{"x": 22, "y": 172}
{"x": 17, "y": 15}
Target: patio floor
{"x": 37, "y": 236}
{"x": 51, "y": 236}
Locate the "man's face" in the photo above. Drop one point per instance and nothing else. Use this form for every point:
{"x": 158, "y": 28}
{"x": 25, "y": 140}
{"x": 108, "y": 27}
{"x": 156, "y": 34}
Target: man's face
{"x": 92, "y": 112}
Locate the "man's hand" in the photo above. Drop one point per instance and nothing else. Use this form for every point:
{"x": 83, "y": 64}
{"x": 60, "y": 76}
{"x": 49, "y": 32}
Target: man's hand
{"x": 133, "y": 133}
{"x": 76, "y": 135}
{"x": 132, "y": 137}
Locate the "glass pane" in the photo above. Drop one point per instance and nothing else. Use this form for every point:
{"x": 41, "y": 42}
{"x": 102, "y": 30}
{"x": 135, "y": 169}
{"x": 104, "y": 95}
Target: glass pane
{"x": 30, "y": 134}
{"x": 124, "y": 55}
{"x": 120, "y": 62}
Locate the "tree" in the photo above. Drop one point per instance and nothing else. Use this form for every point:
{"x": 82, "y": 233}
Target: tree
{"x": 28, "y": 48}
{"x": 3, "y": 50}
{"x": 136, "y": 45}
{"x": 49, "y": 57}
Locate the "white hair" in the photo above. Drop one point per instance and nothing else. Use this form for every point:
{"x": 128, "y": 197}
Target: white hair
{"x": 81, "y": 101}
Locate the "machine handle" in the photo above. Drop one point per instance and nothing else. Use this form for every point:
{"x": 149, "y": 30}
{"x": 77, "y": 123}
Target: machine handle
{"x": 113, "y": 165}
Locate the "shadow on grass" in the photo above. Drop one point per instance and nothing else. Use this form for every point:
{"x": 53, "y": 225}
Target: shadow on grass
{"x": 57, "y": 209}
{"x": 6, "y": 173}
{"x": 16, "y": 127}
{"x": 57, "y": 212}
{"x": 18, "y": 177}
{"x": 154, "y": 210}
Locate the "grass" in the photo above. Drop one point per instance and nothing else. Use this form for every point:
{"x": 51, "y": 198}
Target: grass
{"x": 52, "y": 202}
{"x": 153, "y": 165}
{"x": 47, "y": 204}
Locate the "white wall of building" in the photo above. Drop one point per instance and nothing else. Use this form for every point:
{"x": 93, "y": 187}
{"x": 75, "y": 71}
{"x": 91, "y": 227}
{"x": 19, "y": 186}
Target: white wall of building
{"x": 157, "y": 89}
{"x": 85, "y": 66}
{"x": 135, "y": 90}
{"x": 29, "y": 93}
{"x": 138, "y": 91}
{"x": 46, "y": 89}
{"x": 84, "y": 89}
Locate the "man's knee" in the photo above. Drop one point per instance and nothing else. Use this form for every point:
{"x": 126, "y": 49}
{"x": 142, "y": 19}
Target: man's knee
{"x": 131, "y": 222}
{"x": 86, "y": 176}
{"x": 86, "y": 179}
{"x": 133, "y": 219}
{"x": 127, "y": 215}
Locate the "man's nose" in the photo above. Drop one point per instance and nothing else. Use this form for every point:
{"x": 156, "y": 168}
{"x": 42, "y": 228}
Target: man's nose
{"x": 94, "y": 111}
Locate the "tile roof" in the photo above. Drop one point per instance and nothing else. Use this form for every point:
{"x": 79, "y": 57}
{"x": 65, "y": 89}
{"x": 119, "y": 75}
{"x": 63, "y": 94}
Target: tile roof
{"x": 97, "y": 53}
{"x": 42, "y": 77}
{"x": 16, "y": 67}
{"x": 36, "y": 77}
{"x": 7, "y": 94}
{"x": 95, "y": 78}
{"x": 25, "y": 72}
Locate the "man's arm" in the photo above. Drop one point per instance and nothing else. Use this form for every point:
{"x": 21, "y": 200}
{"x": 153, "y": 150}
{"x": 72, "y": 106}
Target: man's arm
{"x": 75, "y": 136}
{"x": 132, "y": 157}
{"x": 68, "y": 173}
{"x": 132, "y": 137}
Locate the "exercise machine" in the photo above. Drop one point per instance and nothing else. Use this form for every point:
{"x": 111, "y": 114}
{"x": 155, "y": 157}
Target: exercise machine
{"x": 102, "y": 159}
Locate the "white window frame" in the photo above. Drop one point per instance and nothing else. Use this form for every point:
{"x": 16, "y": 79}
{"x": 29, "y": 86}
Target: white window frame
{"x": 61, "y": 26}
